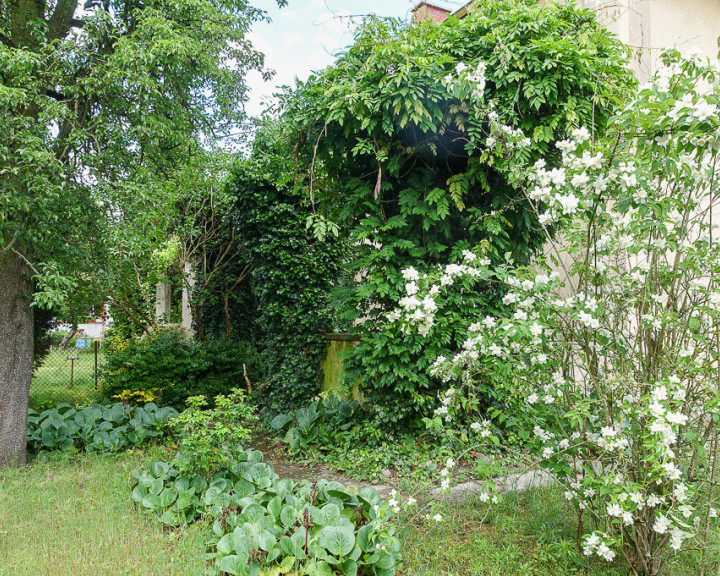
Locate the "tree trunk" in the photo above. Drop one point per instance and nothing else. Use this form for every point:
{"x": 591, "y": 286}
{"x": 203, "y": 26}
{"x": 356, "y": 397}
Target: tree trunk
{"x": 66, "y": 339}
{"x": 16, "y": 354}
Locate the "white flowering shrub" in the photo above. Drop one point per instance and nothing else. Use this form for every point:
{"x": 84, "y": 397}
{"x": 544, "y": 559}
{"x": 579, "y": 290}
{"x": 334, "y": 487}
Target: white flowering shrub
{"x": 613, "y": 343}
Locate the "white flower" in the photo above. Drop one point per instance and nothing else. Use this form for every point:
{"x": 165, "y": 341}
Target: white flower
{"x": 476, "y": 426}
{"x": 429, "y": 304}
{"x": 581, "y": 135}
{"x": 460, "y": 67}
{"x": 592, "y": 541}
{"x": 411, "y": 501}
{"x": 615, "y": 510}
{"x": 605, "y": 552}
{"x": 662, "y": 523}
{"x": 410, "y": 274}
{"x": 627, "y": 518}
{"x": 437, "y": 517}
{"x": 566, "y": 146}
{"x": 569, "y": 203}
{"x": 680, "y": 492}
{"x": 547, "y": 453}
{"x": 510, "y": 298}
{"x": 653, "y": 500}
{"x": 676, "y": 418}
{"x": 672, "y": 471}
{"x": 533, "y": 398}
{"x": 489, "y": 322}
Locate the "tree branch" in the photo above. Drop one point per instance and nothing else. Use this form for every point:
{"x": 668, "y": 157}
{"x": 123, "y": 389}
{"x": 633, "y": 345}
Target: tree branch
{"x": 62, "y": 19}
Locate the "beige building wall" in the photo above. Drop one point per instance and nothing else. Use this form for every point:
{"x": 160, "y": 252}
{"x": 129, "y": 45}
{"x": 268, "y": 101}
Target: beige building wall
{"x": 648, "y": 26}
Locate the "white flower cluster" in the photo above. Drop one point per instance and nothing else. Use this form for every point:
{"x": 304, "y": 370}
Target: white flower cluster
{"x": 502, "y": 135}
{"x": 597, "y": 543}
{"x": 465, "y": 75}
{"x": 445, "y": 474}
{"x": 393, "y": 505}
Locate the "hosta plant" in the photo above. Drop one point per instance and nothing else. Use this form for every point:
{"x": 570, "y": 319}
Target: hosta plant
{"x": 96, "y": 428}
{"x": 266, "y": 525}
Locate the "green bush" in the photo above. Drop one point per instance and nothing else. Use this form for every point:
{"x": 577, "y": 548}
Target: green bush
{"x": 315, "y": 426}
{"x": 96, "y": 428}
{"x": 345, "y": 436}
{"x": 264, "y": 524}
{"x": 167, "y": 368}
{"x": 285, "y": 301}
{"x": 208, "y": 435}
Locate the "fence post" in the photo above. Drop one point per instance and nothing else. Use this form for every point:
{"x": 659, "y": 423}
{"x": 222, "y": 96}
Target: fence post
{"x": 96, "y": 345}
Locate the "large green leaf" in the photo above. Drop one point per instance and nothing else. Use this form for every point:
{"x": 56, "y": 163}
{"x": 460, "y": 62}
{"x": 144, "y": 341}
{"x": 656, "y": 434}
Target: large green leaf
{"x": 338, "y": 540}
{"x": 235, "y": 565}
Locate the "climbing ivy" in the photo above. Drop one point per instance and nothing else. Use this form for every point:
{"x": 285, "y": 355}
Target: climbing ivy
{"x": 285, "y": 301}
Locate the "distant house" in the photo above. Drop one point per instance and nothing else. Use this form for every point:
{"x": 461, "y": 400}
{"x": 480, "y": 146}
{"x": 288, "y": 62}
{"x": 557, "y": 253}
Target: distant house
{"x": 425, "y": 11}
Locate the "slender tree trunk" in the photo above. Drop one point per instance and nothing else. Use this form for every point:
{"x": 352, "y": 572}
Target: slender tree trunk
{"x": 68, "y": 336}
{"x": 16, "y": 354}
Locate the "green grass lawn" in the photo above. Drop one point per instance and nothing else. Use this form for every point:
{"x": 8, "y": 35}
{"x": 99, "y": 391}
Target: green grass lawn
{"x": 53, "y": 383}
{"x": 75, "y": 517}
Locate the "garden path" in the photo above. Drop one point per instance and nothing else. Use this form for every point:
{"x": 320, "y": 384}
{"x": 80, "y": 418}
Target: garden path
{"x": 273, "y": 454}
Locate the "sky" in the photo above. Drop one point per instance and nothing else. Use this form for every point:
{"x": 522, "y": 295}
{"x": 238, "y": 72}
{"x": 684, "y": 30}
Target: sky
{"x": 304, "y": 35}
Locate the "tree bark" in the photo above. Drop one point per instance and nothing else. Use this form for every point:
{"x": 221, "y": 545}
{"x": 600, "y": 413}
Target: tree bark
{"x": 16, "y": 354}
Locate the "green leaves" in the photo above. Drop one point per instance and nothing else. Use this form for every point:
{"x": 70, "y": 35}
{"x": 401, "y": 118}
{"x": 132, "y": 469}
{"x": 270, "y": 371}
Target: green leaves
{"x": 414, "y": 156}
{"x": 96, "y": 428}
{"x": 338, "y": 540}
{"x": 322, "y": 527}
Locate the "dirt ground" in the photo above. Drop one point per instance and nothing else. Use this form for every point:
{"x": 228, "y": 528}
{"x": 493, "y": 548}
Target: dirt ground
{"x": 274, "y": 454}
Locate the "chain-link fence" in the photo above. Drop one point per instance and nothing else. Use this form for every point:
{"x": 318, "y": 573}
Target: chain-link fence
{"x": 70, "y": 375}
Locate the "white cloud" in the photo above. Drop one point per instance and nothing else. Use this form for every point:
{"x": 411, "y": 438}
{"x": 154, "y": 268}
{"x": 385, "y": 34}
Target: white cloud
{"x": 293, "y": 38}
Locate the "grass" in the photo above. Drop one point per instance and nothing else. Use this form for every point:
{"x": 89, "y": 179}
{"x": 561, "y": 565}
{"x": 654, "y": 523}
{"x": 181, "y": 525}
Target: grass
{"x": 530, "y": 533}
{"x": 51, "y": 382}
{"x": 74, "y": 517}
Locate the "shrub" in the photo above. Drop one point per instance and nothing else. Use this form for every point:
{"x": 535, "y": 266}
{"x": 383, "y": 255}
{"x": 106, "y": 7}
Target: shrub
{"x": 342, "y": 435}
{"x": 167, "y": 368}
{"x": 319, "y": 424}
{"x": 96, "y": 428}
{"x": 407, "y": 134}
{"x": 290, "y": 275}
{"x": 616, "y": 360}
{"x": 209, "y": 436}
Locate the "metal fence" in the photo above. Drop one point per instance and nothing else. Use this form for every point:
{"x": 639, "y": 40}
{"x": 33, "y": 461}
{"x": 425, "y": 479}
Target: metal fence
{"x": 70, "y": 375}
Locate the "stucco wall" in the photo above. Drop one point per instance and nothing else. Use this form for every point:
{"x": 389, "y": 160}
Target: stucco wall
{"x": 648, "y": 26}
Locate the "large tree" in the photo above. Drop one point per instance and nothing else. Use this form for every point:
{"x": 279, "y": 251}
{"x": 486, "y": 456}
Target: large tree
{"x": 101, "y": 105}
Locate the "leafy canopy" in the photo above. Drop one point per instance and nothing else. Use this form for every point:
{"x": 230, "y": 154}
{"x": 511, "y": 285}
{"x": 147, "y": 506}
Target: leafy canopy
{"x": 410, "y": 135}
